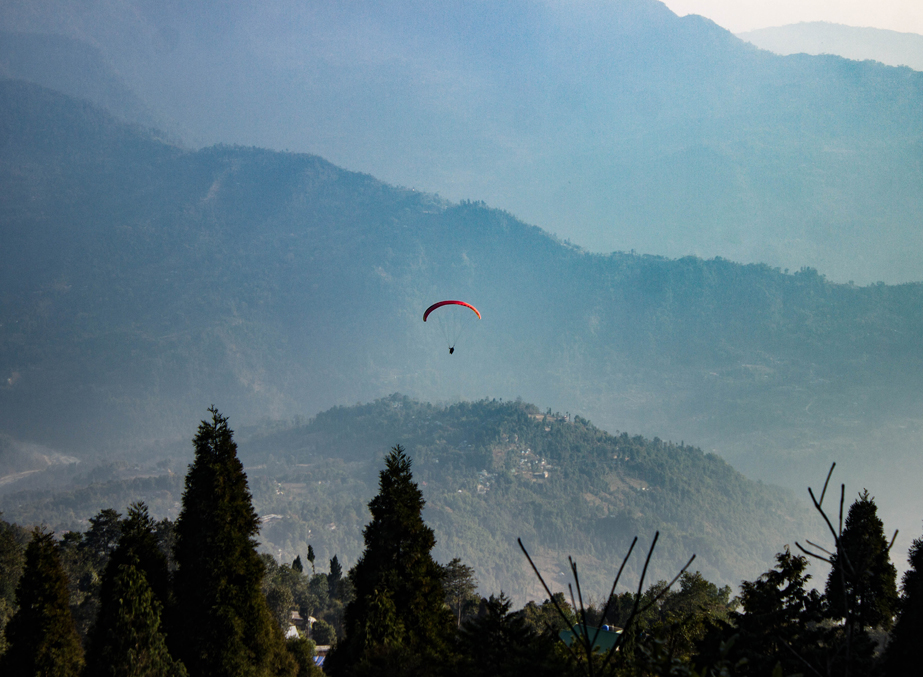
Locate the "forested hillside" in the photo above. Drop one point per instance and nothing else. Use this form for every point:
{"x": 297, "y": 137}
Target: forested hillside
{"x": 491, "y": 472}
{"x": 149, "y": 280}
{"x": 135, "y": 594}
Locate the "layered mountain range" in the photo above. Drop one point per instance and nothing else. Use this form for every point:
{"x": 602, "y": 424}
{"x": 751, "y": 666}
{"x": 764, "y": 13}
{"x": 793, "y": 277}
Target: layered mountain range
{"x": 615, "y": 124}
{"x": 859, "y": 44}
{"x": 143, "y": 281}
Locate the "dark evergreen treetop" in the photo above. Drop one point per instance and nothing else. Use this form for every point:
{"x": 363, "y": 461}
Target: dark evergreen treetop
{"x": 399, "y": 603}
{"x": 221, "y": 624}
{"x": 311, "y": 557}
{"x": 499, "y": 642}
{"x": 13, "y": 541}
{"x": 862, "y": 584}
{"x": 333, "y": 578}
{"x": 138, "y": 548}
{"x": 42, "y": 637}
{"x": 777, "y": 624}
{"x": 102, "y": 538}
{"x": 902, "y": 657}
{"x": 139, "y": 542}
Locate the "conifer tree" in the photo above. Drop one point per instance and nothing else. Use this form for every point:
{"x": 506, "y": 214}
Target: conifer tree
{"x": 42, "y": 637}
{"x": 862, "y": 584}
{"x": 138, "y": 555}
{"x": 398, "y": 619}
{"x": 902, "y": 656}
{"x": 333, "y": 578}
{"x": 102, "y": 538}
{"x": 139, "y": 546}
{"x": 221, "y": 625}
{"x": 84, "y": 557}
{"x": 13, "y": 541}
{"x": 460, "y": 585}
{"x": 131, "y": 643}
{"x": 498, "y": 642}
{"x": 779, "y": 624}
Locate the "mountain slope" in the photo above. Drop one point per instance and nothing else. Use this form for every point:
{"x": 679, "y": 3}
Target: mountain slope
{"x": 616, "y": 124}
{"x": 151, "y": 281}
{"x": 74, "y": 68}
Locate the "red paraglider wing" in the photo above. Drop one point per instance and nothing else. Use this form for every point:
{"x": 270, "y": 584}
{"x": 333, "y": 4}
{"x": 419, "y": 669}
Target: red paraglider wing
{"x": 450, "y": 303}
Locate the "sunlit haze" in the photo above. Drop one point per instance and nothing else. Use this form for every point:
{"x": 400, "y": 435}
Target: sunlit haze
{"x": 747, "y": 15}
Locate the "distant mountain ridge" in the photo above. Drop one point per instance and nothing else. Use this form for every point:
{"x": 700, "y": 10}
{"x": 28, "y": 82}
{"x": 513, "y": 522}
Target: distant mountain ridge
{"x": 819, "y": 37}
{"x": 73, "y": 68}
{"x": 150, "y": 281}
{"x": 618, "y": 125}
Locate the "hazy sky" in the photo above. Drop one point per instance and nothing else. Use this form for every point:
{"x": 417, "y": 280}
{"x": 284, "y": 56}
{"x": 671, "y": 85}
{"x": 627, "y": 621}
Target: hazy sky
{"x": 746, "y": 15}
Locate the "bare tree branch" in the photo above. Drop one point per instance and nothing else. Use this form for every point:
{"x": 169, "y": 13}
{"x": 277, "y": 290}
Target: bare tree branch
{"x": 583, "y": 634}
{"x": 893, "y": 538}
{"x": 819, "y": 547}
{"x": 826, "y": 482}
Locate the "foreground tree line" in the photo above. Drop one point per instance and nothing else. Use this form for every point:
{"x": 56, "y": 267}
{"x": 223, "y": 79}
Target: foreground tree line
{"x": 137, "y": 597}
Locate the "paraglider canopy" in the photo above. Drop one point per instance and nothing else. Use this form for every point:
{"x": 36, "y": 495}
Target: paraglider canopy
{"x": 450, "y": 303}
{"x": 453, "y": 318}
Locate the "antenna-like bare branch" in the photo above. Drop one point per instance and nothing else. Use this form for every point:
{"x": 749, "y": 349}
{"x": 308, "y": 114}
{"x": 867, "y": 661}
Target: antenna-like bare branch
{"x": 819, "y": 547}
{"x": 583, "y": 634}
{"x": 893, "y": 538}
{"x": 812, "y": 554}
{"x": 826, "y": 482}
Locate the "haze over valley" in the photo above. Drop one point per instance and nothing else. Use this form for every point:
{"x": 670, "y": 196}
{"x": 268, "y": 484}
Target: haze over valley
{"x": 681, "y": 246}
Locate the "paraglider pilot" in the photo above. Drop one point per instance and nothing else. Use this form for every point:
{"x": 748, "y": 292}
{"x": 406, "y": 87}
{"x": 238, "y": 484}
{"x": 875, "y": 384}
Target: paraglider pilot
{"x": 456, "y": 331}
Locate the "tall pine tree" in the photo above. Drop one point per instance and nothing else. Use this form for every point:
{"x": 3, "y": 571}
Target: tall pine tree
{"x": 398, "y": 621}
{"x": 221, "y": 625}
{"x": 311, "y": 558}
{"x": 333, "y": 578}
{"x": 42, "y": 637}
{"x": 902, "y": 655}
{"x": 862, "y": 584}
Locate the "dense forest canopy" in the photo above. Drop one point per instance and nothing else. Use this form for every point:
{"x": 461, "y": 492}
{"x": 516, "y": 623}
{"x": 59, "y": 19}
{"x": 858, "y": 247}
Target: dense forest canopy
{"x": 136, "y": 595}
